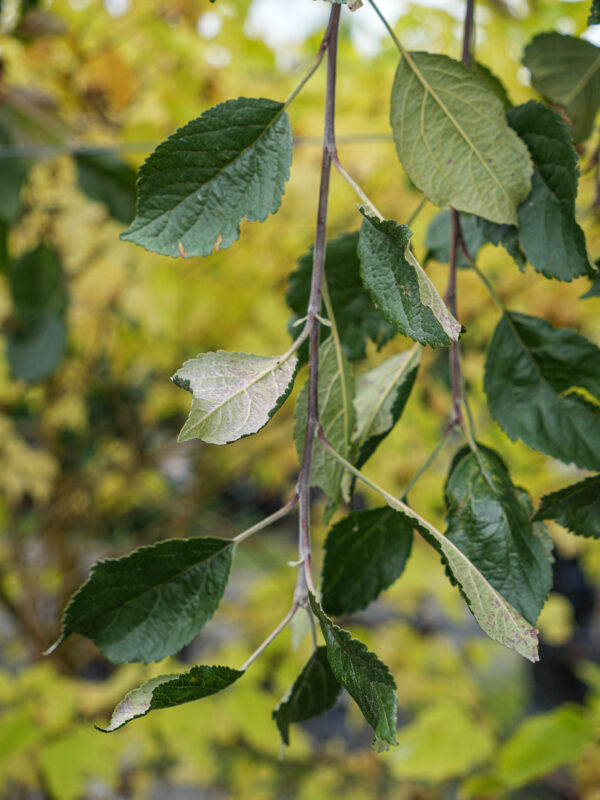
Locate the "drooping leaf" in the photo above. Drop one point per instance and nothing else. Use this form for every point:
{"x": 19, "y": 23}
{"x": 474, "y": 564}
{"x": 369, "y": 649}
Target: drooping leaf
{"x": 381, "y": 395}
{"x": 356, "y": 316}
{"x": 314, "y": 691}
{"x": 108, "y": 180}
{"x": 336, "y": 413}
{"x": 367, "y": 679}
{"x": 167, "y": 691}
{"x": 400, "y": 287}
{"x": 489, "y": 521}
{"x": 576, "y": 507}
{"x": 364, "y": 554}
{"x": 235, "y": 394}
{"x": 594, "y": 16}
{"x": 153, "y": 602}
{"x": 538, "y": 380}
{"x": 497, "y": 618}
{"x": 453, "y": 140}
{"x": 14, "y": 174}
{"x": 552, "y": 240}
{"x": 505, "y": 235}
{"x": 196, "y": 187}
{"x": 566, "y": 70}
{"x": 437, "y": 238}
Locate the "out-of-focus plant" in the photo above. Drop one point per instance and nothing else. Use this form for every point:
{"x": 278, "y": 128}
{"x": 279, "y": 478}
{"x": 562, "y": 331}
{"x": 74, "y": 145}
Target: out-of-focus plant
{"x": 121, "y": 478}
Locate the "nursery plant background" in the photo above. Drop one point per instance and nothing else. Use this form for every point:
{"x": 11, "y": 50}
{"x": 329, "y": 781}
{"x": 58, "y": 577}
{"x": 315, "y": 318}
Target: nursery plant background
{"x": 93, "y": 328}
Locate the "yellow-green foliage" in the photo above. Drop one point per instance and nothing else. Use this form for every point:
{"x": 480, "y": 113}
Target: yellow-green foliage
{"x": 89, "y": 466}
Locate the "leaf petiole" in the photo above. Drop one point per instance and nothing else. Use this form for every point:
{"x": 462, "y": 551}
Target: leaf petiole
{"x": 264, "y": 523}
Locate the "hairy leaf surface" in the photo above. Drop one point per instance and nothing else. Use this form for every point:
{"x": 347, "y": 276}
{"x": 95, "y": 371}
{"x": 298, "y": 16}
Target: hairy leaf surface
{"x": 336, "y": 413}
{"x": 167, "y": 691}
{"x": 314, "y": 691}
{"x": 400, "y": 287}
{"x": 552, "y": 240}
{"x": 489, "y": 521}
{"x": 381, "y": 395}
{"x": 576, "y": 507}
{"x": 197, "y": 186}
{"x": 566, "y": 70}
{"x": 235, "y": 394}
{"x": 364, "y": 554}
{"x": 153, "y": 602}
{"x": 453, "y": 140}
{"x": 356, "y": 316}
{"x": 366, "y": 678}
{"x": 539, "y": 381}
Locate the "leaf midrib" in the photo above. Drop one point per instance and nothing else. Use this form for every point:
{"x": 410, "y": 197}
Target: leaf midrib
{"x": 428, "y": 88}
{"x": 278, "y": 363}
{"x": 239, "y": 155}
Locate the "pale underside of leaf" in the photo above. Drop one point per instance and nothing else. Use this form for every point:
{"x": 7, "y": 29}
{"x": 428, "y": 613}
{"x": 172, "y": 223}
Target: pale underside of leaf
{"x": 167, "y": 691}
{"x": 453, "y": 140}
{"x": 497, "y": 618}
{"x": 235, "y": 394}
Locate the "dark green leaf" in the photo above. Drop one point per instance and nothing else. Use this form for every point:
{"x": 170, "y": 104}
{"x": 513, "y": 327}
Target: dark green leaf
{"x": 110, "y": 181}
{"x": 576, "y": 507}
{"x": 167, "y": 691}
{"x": 496, "y": 617}
{"x": 35, "y": 351}
{"x": 552, "y": 240}
{"x": 437, "y": 238}
{"x": 453, "y": 141}
{"x": 538, "y": 380}
{"x": 489, "y": 520}
{"x": 594, "y": 290}
{"x": 594, "y": 17}
{"x": 381, "y": 394}
{"x": 235, "y": 394}
{"x": 356, "y": 317}
{"x": 314, "y": 691}
{"x": 364, "y": 676}
{"x": 400, "y": 287}
{"x": 336, "y": 413}
{"x": 197, "y": 186}
{"x": 37, "y": 285}
{"x": 566, "y": 70}
{"x": 14, "y": 173}
{"x": 364, "y": 554}
{"x": 153, "y": 602}
{"x": 505, "y": 235}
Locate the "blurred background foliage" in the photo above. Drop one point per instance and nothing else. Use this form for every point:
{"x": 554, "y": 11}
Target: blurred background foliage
{"x": 89, "y": 465}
